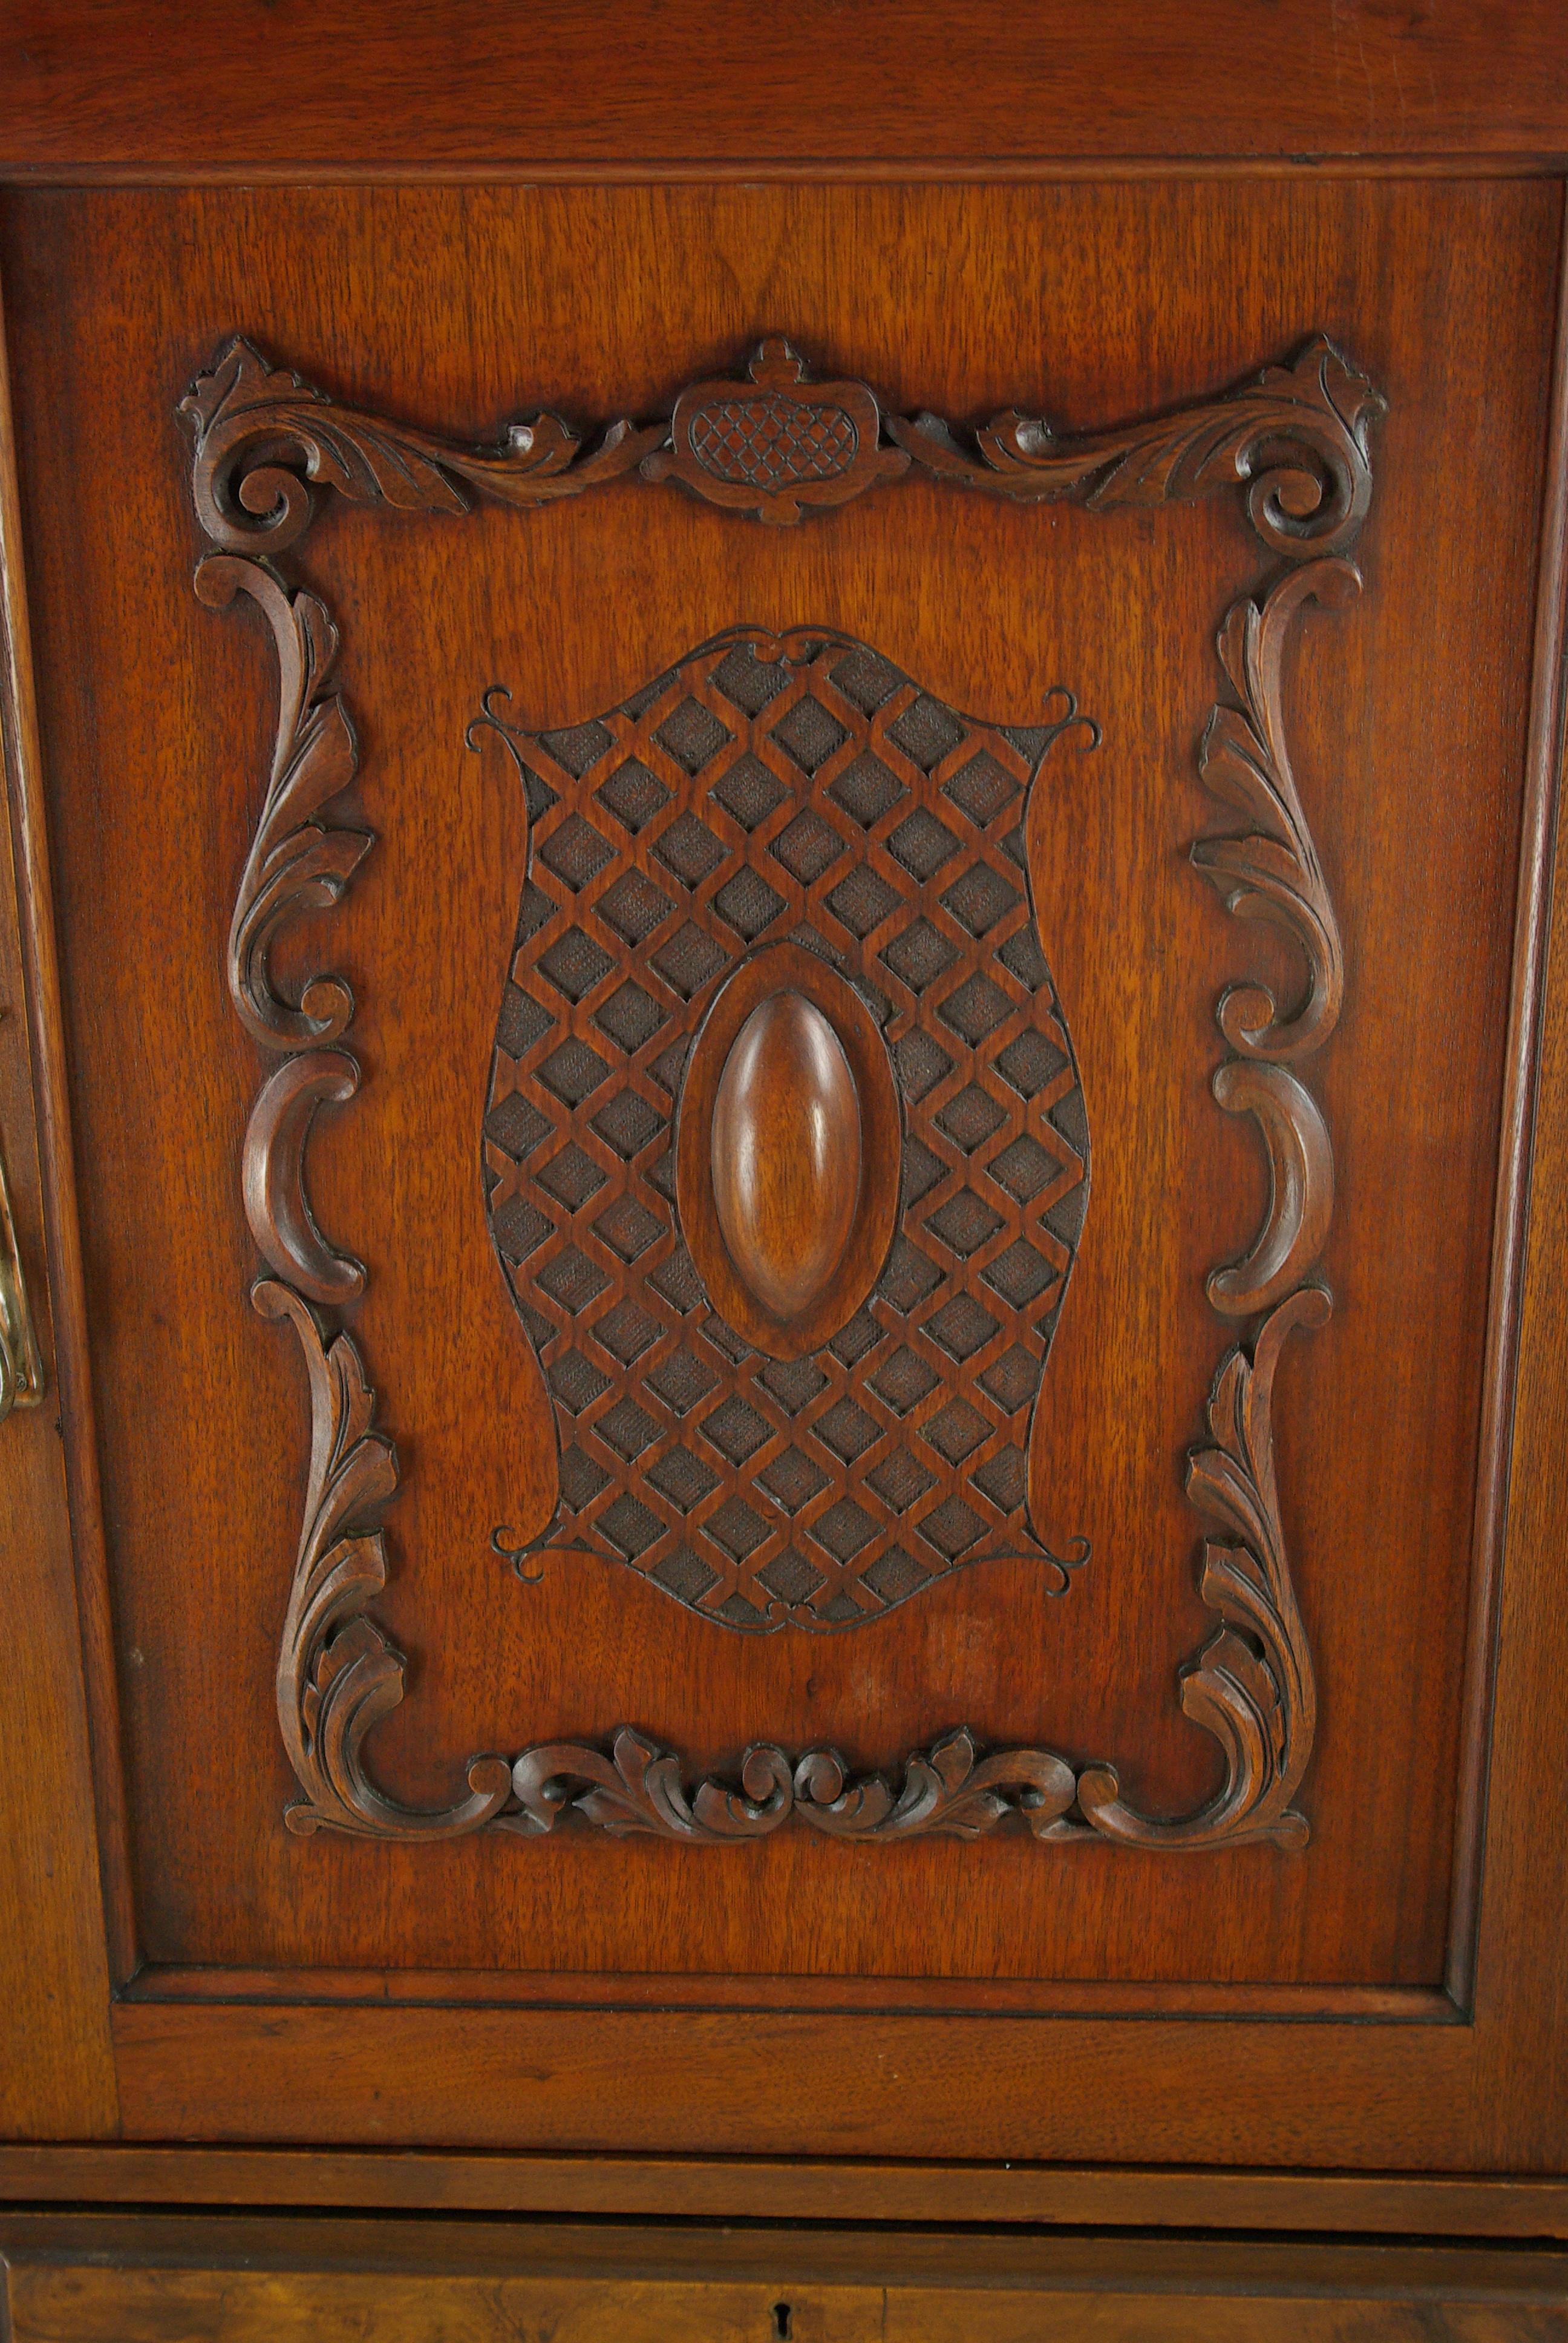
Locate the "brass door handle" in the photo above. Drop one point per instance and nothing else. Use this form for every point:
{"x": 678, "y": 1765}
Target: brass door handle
{"x": 20, "y": 1368}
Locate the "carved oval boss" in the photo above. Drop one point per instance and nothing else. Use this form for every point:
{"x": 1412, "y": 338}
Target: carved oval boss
{"x": 787, "y": 1156}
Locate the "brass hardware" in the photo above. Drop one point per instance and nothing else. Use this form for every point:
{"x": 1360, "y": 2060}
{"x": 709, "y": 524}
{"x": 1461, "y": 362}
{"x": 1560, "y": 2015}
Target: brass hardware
{"x": 20, "y": 1368}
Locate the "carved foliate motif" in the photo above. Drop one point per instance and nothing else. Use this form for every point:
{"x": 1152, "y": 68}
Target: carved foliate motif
{"x": 770, "y": 794}
{"x": 1297, "y": 437}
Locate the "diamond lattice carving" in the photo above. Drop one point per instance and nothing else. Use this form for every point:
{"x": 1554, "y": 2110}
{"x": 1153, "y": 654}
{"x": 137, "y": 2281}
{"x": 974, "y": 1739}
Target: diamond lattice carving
{"x": 771, "y": 790}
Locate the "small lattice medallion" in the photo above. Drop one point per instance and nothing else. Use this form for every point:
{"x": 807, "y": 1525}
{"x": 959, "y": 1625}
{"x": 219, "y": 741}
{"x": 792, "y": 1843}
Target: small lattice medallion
{"x": 777, "y": 442}
{"x": 793, "y": 803}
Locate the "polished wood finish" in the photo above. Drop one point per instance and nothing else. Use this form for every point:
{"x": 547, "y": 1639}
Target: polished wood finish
{"x": 1462, "y": 85}
{"x": 56, "y": 2069}
{"x": 1044, "y": 2026}
{"x": 798, "y": 2188}
{"x": 785, "y": 1151}
{"x": 867, "y": 1209}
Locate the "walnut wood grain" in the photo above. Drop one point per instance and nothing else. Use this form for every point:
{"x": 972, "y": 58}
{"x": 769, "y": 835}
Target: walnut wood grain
{"x": 145, "y": 91}
{"x": 1348, "y": 697}
{"x": 785, "y": 1151}
{"x": 1251, "y": 1687}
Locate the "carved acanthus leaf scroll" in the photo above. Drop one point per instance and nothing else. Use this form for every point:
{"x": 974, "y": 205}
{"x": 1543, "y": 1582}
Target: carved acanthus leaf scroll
{"x": 296, "y": 863}
{"x": 779, "y": 443}
{"x": 338, "y": 1674}
{"x": 1298, "y": 439}
{"x": 1273, "y": 873}
{"x": 265, "y": 435}
{"x": 1251, "y": 1688}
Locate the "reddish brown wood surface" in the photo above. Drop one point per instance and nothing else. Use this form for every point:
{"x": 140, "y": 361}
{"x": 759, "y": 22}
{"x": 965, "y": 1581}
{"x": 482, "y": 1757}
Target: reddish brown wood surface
{"x": 786, "y": 1153}
{"x": 139, "y": 86}
{"x": 801, "y": 2188}
{"x": 1423, "y": 877}
{"x": 56, "y": 2074}
{"x": 1356, "y": 678}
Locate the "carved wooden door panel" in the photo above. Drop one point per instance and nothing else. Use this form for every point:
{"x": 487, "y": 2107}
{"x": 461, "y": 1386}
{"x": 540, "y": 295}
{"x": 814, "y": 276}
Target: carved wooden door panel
{"x": 796, "y": 1058}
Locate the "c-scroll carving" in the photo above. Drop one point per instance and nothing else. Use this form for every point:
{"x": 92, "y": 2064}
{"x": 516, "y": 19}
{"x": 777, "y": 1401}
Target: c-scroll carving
{"x": 1300, "y": 1186}
{"x": 1297, "y": 437}
{"x": 273, "y": 1175}
{"x": 1297, "y": 440}
{"x": 265, "y": 437}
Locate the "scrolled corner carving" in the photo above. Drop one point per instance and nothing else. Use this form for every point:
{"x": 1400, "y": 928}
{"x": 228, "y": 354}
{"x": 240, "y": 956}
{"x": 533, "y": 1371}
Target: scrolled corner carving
{"x": 1297, "y": 437}
{"x": 338, "y": 1674}
{"x": 266, "y": 438}
{"x": 1252, "y": 1686}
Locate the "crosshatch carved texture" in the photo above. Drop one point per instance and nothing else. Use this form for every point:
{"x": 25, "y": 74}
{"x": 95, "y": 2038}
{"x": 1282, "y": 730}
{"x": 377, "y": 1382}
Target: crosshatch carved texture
{"x": 795, "y": 790}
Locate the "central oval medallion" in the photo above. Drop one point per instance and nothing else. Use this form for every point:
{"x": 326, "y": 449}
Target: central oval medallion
{"x": 786, "y": 1153}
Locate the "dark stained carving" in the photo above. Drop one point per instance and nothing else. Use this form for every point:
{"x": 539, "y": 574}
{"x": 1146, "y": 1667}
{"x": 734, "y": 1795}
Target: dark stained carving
{"x": 265, "y": 436}
{"x": 1273, "y": 872}
{"x": 776, "y": 442}
{"x": 296, "y": 863}
{"x": 1300, "y": 1186}
{"x": 1252, "y": 1686}
{"x": 786, "y": 815}
{"x": 273, "y": 1175}
{"x": 338, "y": 1674}
{"x": 1300, "y": 437}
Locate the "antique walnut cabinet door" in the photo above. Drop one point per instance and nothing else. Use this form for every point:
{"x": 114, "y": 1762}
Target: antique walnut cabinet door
{"x": 785, "y": 934}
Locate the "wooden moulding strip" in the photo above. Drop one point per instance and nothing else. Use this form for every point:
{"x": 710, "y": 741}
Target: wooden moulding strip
{"x": 802, "y": 2188}
{"x": 1543, "y": 759}
{"x": 915, "y": 170}
{"x": 461, "y": 1988}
